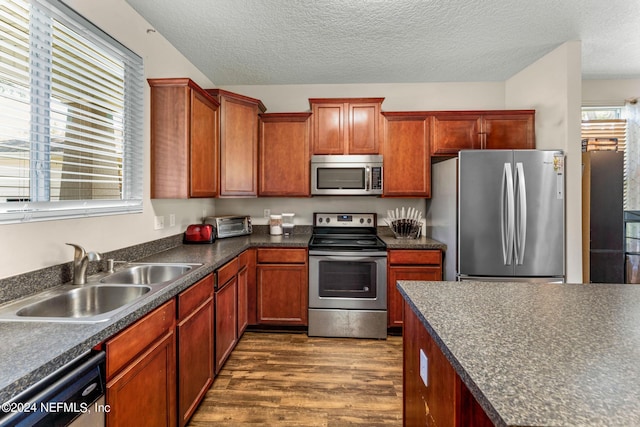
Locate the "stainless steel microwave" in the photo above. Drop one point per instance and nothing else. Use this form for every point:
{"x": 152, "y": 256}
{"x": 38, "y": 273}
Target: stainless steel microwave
{"x": 346, "y": 175}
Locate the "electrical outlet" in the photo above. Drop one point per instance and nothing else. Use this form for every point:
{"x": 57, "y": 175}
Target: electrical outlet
{"x": 424, "y": 368}
{"x": 158, "y": 223}
{"x": 267, "y": 213}
{"x": 172, "y": 220}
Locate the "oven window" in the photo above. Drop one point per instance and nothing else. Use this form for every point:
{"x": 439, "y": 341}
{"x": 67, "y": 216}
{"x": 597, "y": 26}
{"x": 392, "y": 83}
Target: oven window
{"x": 336, "y": 178}
{"x": 347, "y": 279}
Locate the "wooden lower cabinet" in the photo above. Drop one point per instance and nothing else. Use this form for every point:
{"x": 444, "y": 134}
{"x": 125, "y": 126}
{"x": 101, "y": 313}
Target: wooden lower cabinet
{"x": 282, "y": 286}
{"x": 243, "y": 293}
{"x": 444, "y": 401}
{"x": 195, "y": 333}
{"x": 408, "y": 264}
{"x": 226, "y": 298}
{"x": 141, "y": 371}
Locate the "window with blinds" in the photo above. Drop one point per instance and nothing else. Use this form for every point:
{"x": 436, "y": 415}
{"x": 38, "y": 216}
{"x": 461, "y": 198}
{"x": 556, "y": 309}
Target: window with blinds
{"x": 604, "y": 129}
{"x": 597, "y": 134}
{"x": 71, "y": 116}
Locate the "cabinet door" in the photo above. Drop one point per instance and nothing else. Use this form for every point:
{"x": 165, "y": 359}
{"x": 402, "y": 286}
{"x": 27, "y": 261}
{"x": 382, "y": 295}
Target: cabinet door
{"x": 205, "y": 135}
{"x": 184, "y": 140}
{"x": 169, "y": 140}
{"x": 252, "y": 289}
{"x": 226, "y": 299}
{"x": 283, "y": 294}
{"x": 328, "y": 128}
{"x": 415, "y": 411}
{"x": 238, "y": 148}
{"x": 455, "y": 132}
{"x": 243, "y": 306}
{"x": 284, "y": 155}
{"x": 144, "y": 393}
{"x": 438, "y": 399}
{"x": 195, "y": 359}
{"x": 394, "y": 299}
{"x": 508, "y": 131}
{"x": 364, "y": 128}
{"x": 407, "y": 160}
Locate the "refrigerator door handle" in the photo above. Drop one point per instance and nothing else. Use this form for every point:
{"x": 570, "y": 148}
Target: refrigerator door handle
{"x": 521, "y": 217}
{"x": 507, "y": 220}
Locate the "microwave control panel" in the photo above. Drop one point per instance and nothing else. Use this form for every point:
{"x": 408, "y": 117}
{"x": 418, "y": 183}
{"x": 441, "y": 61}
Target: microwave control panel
{"x": 376, "y": 178}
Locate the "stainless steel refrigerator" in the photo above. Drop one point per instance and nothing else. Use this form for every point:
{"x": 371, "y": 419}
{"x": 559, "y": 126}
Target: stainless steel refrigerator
{"x": 510, "y": 215}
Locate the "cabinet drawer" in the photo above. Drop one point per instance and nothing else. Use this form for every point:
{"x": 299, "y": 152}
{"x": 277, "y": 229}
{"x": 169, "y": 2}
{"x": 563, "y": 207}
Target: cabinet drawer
{"x": 415, "y": 257}
{"x": 193, "y": 297}
{"x": 226, "y": 272}
{"x": 282, "y": 256}
{"x": 136, "y": 338}
{"x": 243, "y": 259}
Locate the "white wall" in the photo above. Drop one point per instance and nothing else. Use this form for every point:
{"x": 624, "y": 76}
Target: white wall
{"x": 30, "y": 246}
{"x": 304, "y": 208}
{"x": 397, "y": 96}
{"x": 609, "y": 92}
{"x": 552, "y": 86}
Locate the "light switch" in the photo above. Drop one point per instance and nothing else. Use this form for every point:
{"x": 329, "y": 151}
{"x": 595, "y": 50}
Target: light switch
{"x": 424, "y": 368}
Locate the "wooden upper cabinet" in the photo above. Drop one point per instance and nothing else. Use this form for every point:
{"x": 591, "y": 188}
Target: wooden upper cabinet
{"x": 184, "y": 140}
{"x": 238, "y": 143}
{"x": 509, "y": 130}
{"x": 284, "y": 155}
{"x": 346, "y": 125}
{"x": 456, "y": 131}
{"x": 407, "y": 160}
{"x": 502, "y": 129}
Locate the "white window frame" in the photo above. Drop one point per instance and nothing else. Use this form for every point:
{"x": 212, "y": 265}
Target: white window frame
{"x": 38, "y": 206}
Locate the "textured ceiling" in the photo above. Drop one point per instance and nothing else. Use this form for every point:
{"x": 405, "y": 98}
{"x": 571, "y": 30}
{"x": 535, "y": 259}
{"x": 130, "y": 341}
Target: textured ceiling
{"x": 237, "y": 42}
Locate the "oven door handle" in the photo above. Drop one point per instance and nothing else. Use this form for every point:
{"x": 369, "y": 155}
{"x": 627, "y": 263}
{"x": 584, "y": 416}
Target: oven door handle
{"x": 344, "y": 256}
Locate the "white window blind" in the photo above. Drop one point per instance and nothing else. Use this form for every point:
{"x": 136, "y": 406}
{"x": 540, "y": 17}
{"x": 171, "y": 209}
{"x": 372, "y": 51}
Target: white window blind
{"x": 605, "y": 129}
{"x": 71, "y": 116}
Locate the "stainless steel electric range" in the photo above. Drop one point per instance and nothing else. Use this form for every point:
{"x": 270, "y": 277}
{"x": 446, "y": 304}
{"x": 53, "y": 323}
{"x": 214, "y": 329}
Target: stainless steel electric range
{"x": 347, "y": 277}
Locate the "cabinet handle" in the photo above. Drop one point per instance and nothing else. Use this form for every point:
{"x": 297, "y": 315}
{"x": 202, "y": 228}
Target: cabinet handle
{"x": 482, "y": 136}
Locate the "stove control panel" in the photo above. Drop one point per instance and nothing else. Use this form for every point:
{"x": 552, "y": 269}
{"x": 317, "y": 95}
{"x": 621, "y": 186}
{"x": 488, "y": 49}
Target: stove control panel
{"x": 344, "y": 220}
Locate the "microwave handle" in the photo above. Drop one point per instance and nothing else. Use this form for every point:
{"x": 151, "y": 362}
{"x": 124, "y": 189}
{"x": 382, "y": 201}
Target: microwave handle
{"x": 367, "y": 179}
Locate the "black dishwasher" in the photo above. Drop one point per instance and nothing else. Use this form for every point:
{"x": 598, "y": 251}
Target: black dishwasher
{"x": 72, "y": 395}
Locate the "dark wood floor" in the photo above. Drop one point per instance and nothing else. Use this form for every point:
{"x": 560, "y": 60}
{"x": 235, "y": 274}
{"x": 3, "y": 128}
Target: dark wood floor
{"x": 285, "y": 379}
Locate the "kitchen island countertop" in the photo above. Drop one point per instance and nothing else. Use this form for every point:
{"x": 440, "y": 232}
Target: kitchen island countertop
{"x": 539, "y": 354}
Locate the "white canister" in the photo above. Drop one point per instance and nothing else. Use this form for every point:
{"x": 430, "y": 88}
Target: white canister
{"x": 275, "y": 225}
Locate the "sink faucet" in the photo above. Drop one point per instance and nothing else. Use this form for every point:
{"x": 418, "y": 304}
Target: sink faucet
{"x": 81, "y": 260}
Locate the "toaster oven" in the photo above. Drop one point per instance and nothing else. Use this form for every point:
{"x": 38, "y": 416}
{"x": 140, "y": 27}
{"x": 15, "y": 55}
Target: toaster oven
{"x": 229, "y": 225}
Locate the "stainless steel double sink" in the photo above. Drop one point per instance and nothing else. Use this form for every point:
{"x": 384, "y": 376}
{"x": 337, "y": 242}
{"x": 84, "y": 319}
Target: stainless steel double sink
{"x": 100, "y": 299}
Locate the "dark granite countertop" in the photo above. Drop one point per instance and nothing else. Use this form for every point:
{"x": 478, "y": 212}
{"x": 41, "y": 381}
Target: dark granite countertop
{"x": 32, "y": 350}
{"x": 539, "y": 354}
{"x": 420, "y": 243}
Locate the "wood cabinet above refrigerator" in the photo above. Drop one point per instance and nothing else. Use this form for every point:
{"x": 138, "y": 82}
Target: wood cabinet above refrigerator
{"x": 500, "y": 129}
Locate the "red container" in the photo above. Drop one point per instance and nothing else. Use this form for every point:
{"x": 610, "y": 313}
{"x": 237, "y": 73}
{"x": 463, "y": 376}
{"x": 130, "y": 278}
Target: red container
{"x": 199, "y": 233}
